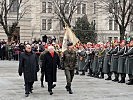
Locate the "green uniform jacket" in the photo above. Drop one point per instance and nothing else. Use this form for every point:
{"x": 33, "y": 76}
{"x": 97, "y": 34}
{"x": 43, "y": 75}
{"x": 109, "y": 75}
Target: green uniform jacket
{"x": 69, "y": 59}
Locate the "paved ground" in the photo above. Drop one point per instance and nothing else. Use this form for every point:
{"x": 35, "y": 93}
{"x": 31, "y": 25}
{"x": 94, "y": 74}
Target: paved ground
{"x": 84, "y": 87}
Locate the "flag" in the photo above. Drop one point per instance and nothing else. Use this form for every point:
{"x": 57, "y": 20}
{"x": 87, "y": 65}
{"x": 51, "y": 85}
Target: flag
{"x": 69, "y": 36}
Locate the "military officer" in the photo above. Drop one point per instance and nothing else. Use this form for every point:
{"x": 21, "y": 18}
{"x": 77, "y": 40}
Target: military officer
{"x": 121, "y": 61}
{"x": 82, "y": 57}
{"x": 114, "y": 61}
{"x": 107, "y": 61}
{"x": 101, "y": 55}
{"x": 129, "y": 63}
{"x": 95, "y": 62}
{"x": 69, "y": 60}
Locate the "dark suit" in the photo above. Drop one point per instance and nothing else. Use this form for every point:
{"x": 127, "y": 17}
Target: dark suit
{"x": 49, "y": 66}
{"x": 28, "y": 65}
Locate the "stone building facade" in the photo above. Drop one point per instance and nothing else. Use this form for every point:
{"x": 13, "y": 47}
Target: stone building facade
{"x": 41, "y": 20}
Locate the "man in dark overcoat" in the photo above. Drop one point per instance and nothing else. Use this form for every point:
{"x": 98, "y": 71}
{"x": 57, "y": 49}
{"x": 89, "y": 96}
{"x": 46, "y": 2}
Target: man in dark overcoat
{"x": 50, "y": 62}
{"x": 28, "y": 65}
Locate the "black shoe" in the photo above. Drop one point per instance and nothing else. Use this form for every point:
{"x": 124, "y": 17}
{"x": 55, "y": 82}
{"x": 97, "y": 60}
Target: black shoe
{"x": 70, "y": 91}
{"x": 53, "y": 86}
{"x": 42, "y": 85}
{"x": 109, "y": 78}
{"x": 115, "y": 80}
{"x": 26, "y": 95}
{"x": 82, "y": 74}
{"x": 50, "y": 92}
{"x": 122, "y": 81}
{"x": 76, "y": 73}
{"x": 101, "y": 77}
{"x": 67, "y": 88}
{"x": 96, "y": 76}
{"x": 89, "y": 74}
{"x": 130, "y": 83}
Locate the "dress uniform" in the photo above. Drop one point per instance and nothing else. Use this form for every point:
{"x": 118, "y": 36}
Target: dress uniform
{"x": 121, "y": 62}
{"x": 129, "y": 63}
{"x": 114, "y": 62}
{"x": 107, "y": 62}
{"x": 101, "y": 55}
{"x": 82, "y": 57}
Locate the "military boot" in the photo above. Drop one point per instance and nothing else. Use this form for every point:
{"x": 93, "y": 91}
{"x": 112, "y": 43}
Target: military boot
{"x": 67, "y": 88}
{"x": 109, "y": 78}
{"x": 130, "y": 82}
{"x": 70, "y": 90}
{"x": 122, "y": 80}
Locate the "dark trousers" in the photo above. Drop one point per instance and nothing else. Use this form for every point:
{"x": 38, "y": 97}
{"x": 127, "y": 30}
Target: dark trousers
{"x": 69, "y": 76}
{"x": 50, "y": 84}
{"x": 116, "y": 75}
{"x": 42, "y": 76}
{"x": 28, "y": 87}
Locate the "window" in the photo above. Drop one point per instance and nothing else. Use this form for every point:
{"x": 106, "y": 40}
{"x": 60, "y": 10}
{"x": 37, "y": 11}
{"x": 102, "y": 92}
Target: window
{"x": 49, "y": 7}
{"x": 44, "y": 7}
{"x": 115, "y": 26}
{"x": 49, "y": 24}
{"x": 94, "y": 8}
{"x": 79, "y": 9}
{"x": 83, "y": 8}
{"x": 43, "y": 24}
{"x": 14, "y": 5}
{"x": 110, "y": 24}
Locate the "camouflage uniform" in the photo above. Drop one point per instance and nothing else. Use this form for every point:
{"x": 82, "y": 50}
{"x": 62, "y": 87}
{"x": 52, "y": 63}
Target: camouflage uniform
{"x": 69, "y": 60}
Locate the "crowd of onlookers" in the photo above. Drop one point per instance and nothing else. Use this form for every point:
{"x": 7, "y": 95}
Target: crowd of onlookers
{"x": 12, "y": 51}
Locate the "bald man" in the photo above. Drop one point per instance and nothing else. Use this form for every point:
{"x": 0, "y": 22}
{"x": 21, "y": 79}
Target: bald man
{"x": 28, "y": 65}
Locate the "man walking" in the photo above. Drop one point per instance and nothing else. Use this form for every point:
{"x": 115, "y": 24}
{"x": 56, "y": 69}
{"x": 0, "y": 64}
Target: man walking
{"x": 50, "y": 62}
{"x": 69, "y": 59}
{"x": 28, "y": 65}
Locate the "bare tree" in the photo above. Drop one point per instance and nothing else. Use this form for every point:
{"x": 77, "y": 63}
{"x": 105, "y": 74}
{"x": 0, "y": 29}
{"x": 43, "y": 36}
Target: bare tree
{"x": 120, "y": 10}
{"x": 65, "y": 9}
{"x": 6, "y": 7}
